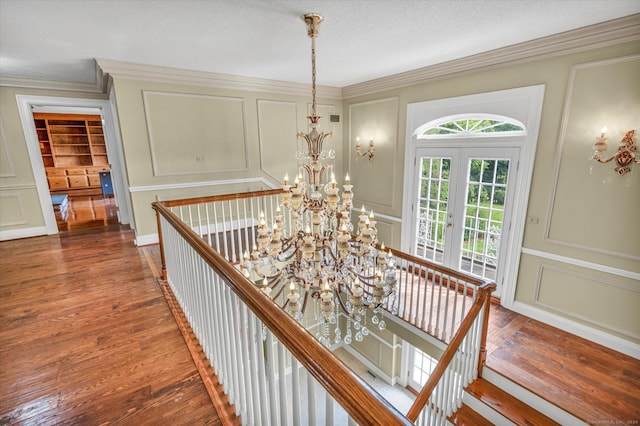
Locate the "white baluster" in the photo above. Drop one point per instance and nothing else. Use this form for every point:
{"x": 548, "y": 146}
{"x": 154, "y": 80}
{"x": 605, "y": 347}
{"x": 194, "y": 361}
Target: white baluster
{"x": 295, "y": 391}
{"x": 271, "y": 380}
{"x": 282, "y": 384}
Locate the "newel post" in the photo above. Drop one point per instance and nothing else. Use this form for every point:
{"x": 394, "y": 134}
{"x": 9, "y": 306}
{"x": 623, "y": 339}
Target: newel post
{"x": 160, "y": 242}
{"x": 482, "y": 359}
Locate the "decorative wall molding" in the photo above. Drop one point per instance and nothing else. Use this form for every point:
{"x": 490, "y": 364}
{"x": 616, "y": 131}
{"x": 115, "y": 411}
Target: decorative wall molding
{"x": 558, "y": 158}
{"x": 261, "y": 104}
{"x": 570, "y": 314}
{"x": 155, "y": 157}
{"x": 129, "y": 70}
{"x": 582, "y": 263}
{"x": 186, "y": 185}
{"x": 391, "y": 138}
{"x": 18, "y": 187}
{"x": 11, "y": 172}
{"x": 586, "y": 38}
{"x": 17, "y": 196}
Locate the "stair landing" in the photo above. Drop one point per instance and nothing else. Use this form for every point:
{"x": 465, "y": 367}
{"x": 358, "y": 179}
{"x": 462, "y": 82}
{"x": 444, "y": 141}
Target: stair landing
{"x": 593, "y": 383}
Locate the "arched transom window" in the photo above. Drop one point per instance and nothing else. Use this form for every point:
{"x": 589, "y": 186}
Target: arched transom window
{"x": 470, "y": 125}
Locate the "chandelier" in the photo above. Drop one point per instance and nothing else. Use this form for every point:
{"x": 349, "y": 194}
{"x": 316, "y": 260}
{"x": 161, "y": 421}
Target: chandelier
{"x": 316, "y": 261}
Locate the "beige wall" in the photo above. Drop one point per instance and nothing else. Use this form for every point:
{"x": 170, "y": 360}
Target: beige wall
{"x": 176, "y": 135}
{"x": 20, "y": 209}
{"x": 581, "y": 259}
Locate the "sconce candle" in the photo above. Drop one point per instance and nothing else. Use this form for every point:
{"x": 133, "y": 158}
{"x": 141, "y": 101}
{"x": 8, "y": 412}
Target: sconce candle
{"x": 371, "y": 152}
{"x": 625, "y": 157}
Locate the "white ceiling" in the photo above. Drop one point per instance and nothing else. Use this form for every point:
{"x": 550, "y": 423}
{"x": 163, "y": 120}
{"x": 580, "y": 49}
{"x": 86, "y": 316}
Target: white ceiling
{"x": 359, "y": 40}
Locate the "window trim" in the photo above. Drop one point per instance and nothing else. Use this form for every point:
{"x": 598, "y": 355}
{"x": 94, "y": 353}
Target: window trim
{"x": 419, "y": 133}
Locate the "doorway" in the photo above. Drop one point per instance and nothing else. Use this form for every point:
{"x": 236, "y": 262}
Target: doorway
{"x": 27, "y": 105}
{"x": 73, "y": 150}
{"x": 467, "y": 174}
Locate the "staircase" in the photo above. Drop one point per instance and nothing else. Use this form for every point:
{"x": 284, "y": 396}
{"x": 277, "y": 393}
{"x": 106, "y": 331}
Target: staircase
{"x": 495, "y": 400}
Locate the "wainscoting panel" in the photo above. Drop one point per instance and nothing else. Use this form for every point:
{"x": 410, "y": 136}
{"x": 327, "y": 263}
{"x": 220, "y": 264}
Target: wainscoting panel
{"x": 191, "y": 134}
{"x": 277, "y": 129}
{"x": 609, "y": 303}
{"x": 588, "y": 195}
{"x": 12, "y": 209}
{"x": 6, "y": 162}
{"x": 374, "y": 180}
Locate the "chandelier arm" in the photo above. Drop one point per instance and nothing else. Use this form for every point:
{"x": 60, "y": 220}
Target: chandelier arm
{"x": 600, "y": 160}
{"x": 305, "y": 300}
{"x": 279, "y": 293}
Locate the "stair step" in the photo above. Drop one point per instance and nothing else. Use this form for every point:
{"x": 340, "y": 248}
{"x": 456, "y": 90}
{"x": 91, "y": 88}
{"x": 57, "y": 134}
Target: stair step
{"x": 465, "y": 416}
{"x": 508, "y": 406}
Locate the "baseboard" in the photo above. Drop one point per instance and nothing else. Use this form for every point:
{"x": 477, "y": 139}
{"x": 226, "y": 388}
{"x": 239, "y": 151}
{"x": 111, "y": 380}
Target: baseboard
{"x": 145, "y": 240}
{"x": 597, "y": 336}
{"x": 15, "y": 234}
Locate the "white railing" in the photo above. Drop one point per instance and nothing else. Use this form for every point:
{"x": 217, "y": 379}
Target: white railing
{"x": 428, "y": 296}
{"x": 271, "y": 369}
{"x": 262, "y": 373}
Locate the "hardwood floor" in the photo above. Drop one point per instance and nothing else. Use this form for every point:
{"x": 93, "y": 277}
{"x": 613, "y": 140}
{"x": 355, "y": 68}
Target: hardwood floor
{"x": 86, "y": 336}
{"x": 590, "y": 381}
{"x": 89, "y": 211}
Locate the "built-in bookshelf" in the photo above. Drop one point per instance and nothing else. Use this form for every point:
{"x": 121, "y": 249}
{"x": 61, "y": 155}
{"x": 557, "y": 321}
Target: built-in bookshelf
{"x": 71, "y": 140}
{"x": 73, "y": 151}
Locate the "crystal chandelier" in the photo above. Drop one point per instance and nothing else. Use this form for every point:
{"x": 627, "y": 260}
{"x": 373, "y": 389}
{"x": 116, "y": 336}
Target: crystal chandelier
{"x": 320, "y": 262}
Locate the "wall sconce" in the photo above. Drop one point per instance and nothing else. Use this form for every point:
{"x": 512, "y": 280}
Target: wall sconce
{"x": 624, "y": 157}
{"x": 371, "y": 152}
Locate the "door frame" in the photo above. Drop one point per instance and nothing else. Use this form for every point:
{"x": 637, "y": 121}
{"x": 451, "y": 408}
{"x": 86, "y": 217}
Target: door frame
{"x": 523, "y": 104}
{"x": 26, "y": 104}
{"x": 458, "y": 188}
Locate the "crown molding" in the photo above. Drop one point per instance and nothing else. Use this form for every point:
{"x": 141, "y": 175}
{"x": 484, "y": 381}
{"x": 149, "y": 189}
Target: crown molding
{"x": 586, "y": 38}
{"x": 99, "y": 86}
{"x": 118, "y": 69}
{"x": 67, "y": 86}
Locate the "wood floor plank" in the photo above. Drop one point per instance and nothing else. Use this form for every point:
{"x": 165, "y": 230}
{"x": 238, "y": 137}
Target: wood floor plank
{"x": 86, "y": 336}
{"x": 592, "y": 382}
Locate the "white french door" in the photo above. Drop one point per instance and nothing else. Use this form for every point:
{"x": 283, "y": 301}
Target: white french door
{"x": 463, "y": 207}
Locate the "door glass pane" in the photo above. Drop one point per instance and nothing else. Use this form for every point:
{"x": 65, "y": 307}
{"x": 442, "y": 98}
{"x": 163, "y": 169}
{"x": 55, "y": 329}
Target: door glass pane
{"x": 432, "y": 207}
{"x": 484, "y": 209}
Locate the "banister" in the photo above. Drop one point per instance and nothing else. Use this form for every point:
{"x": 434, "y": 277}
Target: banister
{"x": 222, "y": 197}
{"x": 358, "y": 399}
{"x": 423, "y": 397}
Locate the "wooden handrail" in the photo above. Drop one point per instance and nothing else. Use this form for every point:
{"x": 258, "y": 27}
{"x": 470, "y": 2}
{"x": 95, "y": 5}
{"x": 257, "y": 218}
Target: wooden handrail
{"x": 360, "y": 401}
{"x": 423, "y": 397}
{"x": 223, "y": 197}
